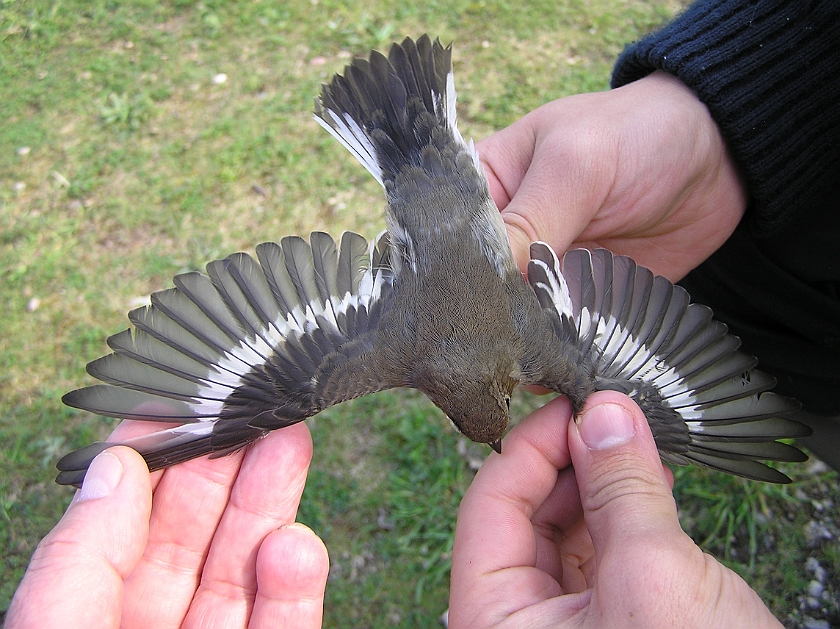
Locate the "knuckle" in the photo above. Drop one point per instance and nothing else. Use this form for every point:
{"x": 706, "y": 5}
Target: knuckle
{"x": 626, "y": 483}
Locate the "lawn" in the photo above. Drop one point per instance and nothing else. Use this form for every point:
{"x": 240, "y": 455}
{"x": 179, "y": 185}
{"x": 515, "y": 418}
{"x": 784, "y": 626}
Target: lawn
{"x": 143, "y": 139}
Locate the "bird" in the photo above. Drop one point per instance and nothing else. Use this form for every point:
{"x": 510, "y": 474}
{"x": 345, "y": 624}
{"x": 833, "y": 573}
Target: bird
{"x": 436, "y": 303}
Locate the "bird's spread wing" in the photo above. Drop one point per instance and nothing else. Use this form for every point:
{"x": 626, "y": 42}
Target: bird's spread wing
{"x": 705, "y": 402}
{"x": 251, "y": 346}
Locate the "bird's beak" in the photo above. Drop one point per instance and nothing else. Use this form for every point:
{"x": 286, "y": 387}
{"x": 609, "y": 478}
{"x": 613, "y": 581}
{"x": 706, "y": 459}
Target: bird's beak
{"x": 497, "y": 446}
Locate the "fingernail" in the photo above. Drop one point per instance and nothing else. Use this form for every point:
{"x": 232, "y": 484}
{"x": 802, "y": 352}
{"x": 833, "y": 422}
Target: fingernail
{"x": 102, "y": 477}
{"x": 296, "y": 526}
{"x": 605, "y": 426}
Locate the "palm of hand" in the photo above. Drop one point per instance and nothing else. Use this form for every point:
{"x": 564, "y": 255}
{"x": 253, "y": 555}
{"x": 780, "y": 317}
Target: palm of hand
{"x": 206, "y": 543}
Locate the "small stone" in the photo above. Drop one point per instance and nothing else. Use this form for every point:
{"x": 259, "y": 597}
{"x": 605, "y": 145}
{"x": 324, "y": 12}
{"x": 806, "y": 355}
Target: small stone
{"x": 817, "y": 467}
{"x": 813, "y": 566}
{"x": 485, "y": 44}
{"x": 816, "y": 533}
{"x": 33, "y": 304}
{"x": 815, "y": 589}
{"x": 336, "y": 203}
{"x": 383, "y": 521}
{"x": 357, "y": 563}
{"x": 23, "y": 150}
{"x": 19, "y": 186}
{"x": 317, "y": 61}
{"x": 811, "y": 623}
{"x": 220, "y": 78}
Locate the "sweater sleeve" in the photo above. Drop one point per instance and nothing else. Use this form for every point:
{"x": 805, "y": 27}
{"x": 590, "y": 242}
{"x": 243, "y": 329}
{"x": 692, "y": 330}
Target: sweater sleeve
{"x": 769, "y": 72}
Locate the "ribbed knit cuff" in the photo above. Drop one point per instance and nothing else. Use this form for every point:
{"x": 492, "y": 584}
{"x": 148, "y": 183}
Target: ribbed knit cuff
{"x": 769, "y": 72}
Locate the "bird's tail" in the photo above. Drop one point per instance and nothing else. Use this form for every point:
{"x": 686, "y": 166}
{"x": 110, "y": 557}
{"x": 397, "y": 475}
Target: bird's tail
{"x": 387, "y": 110}
{"x": 705, "y": 402}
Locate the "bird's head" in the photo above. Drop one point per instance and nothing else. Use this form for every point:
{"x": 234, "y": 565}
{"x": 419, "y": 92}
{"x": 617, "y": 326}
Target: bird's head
{"x": 477, "y": 403}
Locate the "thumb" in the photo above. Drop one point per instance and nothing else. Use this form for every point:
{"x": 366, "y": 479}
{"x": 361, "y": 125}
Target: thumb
{"x": 546, "y": 176}
{"x": 75, "y": 577}
{"x": 507, "y": 157}
{"x": 624, "y": 490}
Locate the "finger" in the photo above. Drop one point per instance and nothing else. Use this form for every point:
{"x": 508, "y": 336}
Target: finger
{"x": 292, "y": 570}
{"x": 130, "y": 428}
{"x": 624, "y": 490}
{"x": 495, "y": 549}
{"x": 563, "y": 544}
{"x": 548, "y": 177}
{"x": 556, "y": 200}
{"x": 543, "y": 183}
{"x": 188, "y": 504}
{"x": 505, "y": 157}
{"x": 264, "y": 497}
{"x": 75, "y": 578}
{"x": 646, "y": 566}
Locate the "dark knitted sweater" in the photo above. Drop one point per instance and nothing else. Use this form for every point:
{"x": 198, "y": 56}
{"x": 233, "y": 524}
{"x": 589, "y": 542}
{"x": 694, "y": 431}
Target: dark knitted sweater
{"x": 769, "y": 72}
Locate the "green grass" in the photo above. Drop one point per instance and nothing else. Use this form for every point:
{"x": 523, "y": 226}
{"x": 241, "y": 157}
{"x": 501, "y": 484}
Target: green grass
{"x": 767, "y": 533}
{"x": 123, "y": 163}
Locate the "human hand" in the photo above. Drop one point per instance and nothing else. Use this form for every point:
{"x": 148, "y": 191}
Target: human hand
{"x": 207, "y": 543}
{"x": 641, "y": 170}
{"x": 540, "y": 543}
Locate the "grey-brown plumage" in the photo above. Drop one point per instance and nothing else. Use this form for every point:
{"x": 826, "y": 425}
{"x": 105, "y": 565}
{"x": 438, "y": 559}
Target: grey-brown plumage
{"x": 437, "y": 303}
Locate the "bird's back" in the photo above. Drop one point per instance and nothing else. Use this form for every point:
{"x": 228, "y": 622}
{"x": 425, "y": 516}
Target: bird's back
{"x": 396, "y": 114}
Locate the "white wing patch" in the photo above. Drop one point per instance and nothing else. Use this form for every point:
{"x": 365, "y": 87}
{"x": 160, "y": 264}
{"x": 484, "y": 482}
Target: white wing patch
{"x": 198, "y": 343}
{"x": 354, "y": 139}
{"x": 644, "y": 329}
{"x": 554, "y": 284}
{"x": 452, "y": 118}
